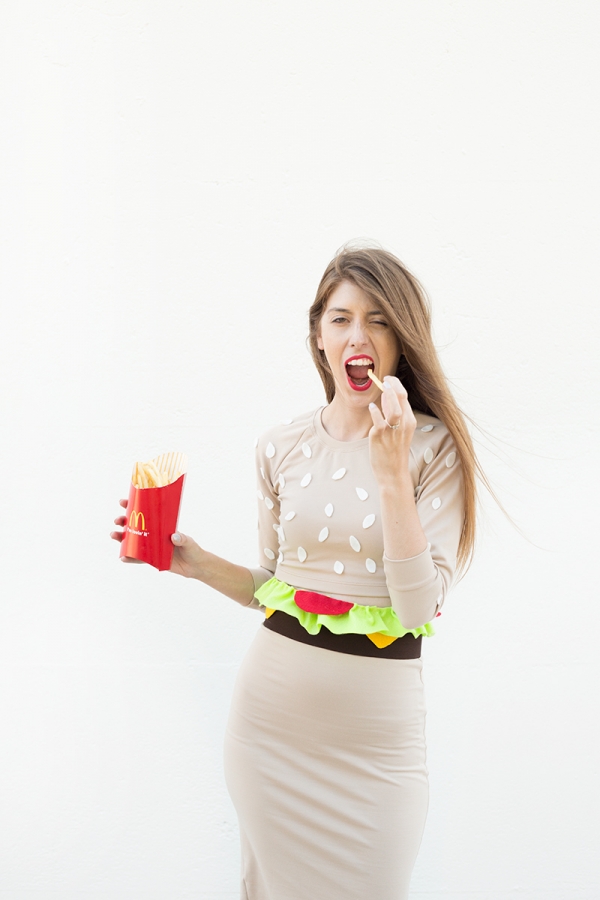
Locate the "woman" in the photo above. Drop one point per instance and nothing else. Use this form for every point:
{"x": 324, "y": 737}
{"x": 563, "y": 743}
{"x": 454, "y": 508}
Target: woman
{"x": 366, "y": 508}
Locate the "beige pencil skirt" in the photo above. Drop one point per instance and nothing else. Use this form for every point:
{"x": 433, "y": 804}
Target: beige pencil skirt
{"x": 325, "y": 764}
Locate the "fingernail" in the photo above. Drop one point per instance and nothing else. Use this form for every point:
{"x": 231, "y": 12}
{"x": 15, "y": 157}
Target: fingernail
{"x": 387, "y": 385}
{"x": 372, "y": 406}
{"x": 176, "y": 538}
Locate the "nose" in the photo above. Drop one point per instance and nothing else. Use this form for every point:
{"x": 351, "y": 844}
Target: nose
{"x": 358, "y": 336}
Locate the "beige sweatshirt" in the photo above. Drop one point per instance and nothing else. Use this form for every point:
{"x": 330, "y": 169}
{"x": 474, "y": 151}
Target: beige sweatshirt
{"x": 319, "y": 522}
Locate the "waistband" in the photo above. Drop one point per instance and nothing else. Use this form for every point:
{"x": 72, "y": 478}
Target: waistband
{"x": 407, "y": 647}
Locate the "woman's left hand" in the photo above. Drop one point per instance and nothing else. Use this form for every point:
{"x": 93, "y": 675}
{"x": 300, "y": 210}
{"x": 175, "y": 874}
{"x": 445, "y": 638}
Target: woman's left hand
{"x": 389, "y": 447}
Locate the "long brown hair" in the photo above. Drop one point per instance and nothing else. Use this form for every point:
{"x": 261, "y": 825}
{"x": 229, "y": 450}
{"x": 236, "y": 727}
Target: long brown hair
{"x": 404, "y": 302}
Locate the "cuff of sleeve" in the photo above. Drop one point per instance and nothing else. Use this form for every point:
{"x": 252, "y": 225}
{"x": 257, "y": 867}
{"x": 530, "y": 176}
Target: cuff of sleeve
{"x": 408, "y": 574}
{"x": 260, "y": 576}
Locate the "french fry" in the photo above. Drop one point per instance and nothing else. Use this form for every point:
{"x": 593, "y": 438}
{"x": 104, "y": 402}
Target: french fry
{"x": 159, "y": 472}
{"x": 153, "y": 474}
{"x": 375, "y": 379}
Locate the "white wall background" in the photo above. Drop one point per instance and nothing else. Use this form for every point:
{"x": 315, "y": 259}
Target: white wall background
{"x": 175, "y": 177}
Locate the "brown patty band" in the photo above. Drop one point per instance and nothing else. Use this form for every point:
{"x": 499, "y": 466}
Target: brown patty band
{"x": 407, "y": 647}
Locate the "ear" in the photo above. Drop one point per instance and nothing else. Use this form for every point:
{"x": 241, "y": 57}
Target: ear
{"x": 319, "y": 341}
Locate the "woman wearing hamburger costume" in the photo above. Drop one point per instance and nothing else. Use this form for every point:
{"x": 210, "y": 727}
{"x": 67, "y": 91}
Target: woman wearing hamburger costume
{"x": 366, "y": 507}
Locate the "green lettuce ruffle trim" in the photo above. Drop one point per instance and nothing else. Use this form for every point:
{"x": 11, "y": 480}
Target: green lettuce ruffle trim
{"x": 276, "y": 594}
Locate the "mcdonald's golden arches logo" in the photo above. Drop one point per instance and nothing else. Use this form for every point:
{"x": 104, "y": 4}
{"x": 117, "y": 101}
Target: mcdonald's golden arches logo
{"x": 137, "y": 516}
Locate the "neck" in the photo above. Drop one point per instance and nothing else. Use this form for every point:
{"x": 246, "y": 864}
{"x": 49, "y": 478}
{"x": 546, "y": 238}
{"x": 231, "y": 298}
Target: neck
{"x": 344, "y": 422}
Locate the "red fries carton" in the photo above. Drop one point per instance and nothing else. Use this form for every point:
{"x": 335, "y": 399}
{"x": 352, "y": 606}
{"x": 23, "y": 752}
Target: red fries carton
{"x": 153, "y": 509}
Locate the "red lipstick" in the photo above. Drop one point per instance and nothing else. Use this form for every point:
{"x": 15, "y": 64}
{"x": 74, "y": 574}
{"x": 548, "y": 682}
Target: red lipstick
{"x": 359, "y": 372}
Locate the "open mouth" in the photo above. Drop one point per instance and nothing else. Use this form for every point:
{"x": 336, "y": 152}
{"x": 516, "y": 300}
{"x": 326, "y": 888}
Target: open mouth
{"x": 357, "y": 368}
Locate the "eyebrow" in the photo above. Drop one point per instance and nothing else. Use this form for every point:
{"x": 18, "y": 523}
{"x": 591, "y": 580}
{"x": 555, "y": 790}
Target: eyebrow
{"x": 340, "y": 309}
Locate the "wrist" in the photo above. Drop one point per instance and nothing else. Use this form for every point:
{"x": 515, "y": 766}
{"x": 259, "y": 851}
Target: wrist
{"x": 396, "y": 483}
{"x": 200, "y": 565}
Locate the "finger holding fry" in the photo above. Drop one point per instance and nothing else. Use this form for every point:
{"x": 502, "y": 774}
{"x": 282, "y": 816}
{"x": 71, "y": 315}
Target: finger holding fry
{"x": 391, "y": 406}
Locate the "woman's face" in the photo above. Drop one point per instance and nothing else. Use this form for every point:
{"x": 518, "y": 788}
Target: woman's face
{"x": 355, "y": 337}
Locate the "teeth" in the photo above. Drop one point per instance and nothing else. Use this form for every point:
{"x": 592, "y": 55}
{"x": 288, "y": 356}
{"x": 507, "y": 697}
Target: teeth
{"x": 360, "y": 362}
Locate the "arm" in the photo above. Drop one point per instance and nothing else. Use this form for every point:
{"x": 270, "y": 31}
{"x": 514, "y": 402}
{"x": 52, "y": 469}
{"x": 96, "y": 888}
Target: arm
{"x": 418, "y": 585}
{"x": 403, "y": 536}
{"x": 239, "y": 582}
{"x": 267, "y": 492}
{"x": 192, "y": 561}
{"x": 223, "y": 576}
{"x": 420, "y": 537}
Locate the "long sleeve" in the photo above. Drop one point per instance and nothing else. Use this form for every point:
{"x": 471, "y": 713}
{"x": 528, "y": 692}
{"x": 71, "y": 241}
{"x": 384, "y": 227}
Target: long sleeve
{"x": 418, "y": 586}
{"x": 268, "y": 518}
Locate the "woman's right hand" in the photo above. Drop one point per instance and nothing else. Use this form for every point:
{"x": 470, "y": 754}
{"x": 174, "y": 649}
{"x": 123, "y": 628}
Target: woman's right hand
{"x": 186, "y": 552}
